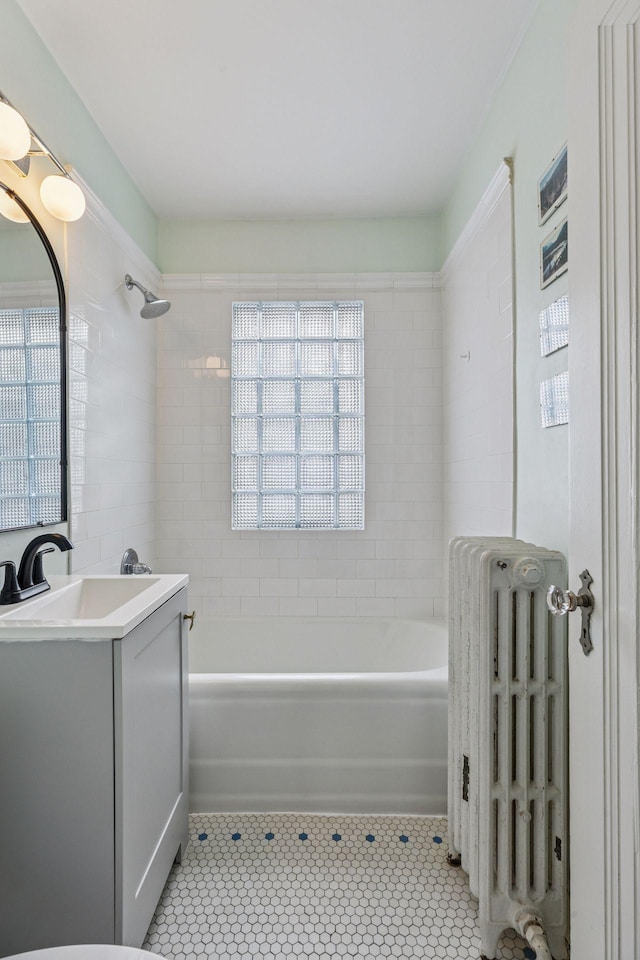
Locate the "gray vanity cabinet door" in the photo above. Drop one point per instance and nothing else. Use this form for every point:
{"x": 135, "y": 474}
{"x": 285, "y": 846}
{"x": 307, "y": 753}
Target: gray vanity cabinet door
{"x": 56, "y": 794}
{"x": 150, "y": 698}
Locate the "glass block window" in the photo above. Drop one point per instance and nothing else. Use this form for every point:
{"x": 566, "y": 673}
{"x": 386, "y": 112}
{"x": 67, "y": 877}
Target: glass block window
{"x": 554, "y": 400}
{"x": 30, "y": 468}
{"x": 297, "y": 413}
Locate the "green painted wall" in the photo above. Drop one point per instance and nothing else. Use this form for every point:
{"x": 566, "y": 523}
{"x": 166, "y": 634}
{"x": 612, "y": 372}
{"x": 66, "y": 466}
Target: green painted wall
{"x": 407, "y": 244}
{"x": 32, "y": 81}
{"x": 528, "y": 121}
{"x": 22, "y": 255}
{"x": 527, "y": 116}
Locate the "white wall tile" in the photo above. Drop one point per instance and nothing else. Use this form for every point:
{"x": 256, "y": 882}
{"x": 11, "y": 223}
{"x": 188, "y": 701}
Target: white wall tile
{"x": 341, "y": 569}
{"x": 375, "y": 607}
{"x": 298, "y": 568}
{"x": 337, "y": 607}
{"x": 242, "y": 548}
{"x": 113, "y": 449}
{"x": 356, "y": 588}
{"x": 417, "y": 608}
{"x": 298, "y": 606}
{"x": 279, "y": 587}
{"x": 278, "y": 549}
{"x": 260, "y": 568}
{"x": 239, "y": 587}
{"x": 295, "y": 572}
{"x": 356, "y": 549}
{"x": 318, "y": 549}
{"x": 259, "y": 607}
{"x": 478, "y": 389}
{"x": 221, "y": 607}
{"x": 317, "y": 588}
{"x": 222, "y": 568}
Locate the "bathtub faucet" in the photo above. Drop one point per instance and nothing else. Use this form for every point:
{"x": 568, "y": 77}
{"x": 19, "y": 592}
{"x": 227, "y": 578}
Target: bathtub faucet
{"x": 131, "y": 564}
{"x": 30, "y": 579}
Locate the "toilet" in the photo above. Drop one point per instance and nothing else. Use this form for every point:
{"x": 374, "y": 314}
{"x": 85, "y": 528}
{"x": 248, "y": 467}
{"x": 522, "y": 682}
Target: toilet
{"x": 88, "y": 951}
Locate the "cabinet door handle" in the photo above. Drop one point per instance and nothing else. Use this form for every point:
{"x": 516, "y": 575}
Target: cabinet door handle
{"x": 191, "y": 618}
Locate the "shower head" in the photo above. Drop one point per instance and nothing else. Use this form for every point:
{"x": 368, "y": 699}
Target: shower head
{"x": 153, "y": 306}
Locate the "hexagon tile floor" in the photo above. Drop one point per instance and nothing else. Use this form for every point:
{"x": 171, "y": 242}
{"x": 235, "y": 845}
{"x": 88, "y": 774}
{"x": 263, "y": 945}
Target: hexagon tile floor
{"x": 293, "y": 885}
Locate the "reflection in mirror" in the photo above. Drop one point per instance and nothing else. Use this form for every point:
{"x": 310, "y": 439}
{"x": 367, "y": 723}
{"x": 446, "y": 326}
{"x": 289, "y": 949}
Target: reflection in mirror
{"x": 33, "y": 490}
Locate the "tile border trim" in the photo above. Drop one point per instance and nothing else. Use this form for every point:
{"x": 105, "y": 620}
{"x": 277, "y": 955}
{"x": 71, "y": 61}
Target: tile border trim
{"x": 354, "y": 282}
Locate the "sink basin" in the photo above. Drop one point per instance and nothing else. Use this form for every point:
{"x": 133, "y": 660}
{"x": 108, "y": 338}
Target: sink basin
{"x": 88, "y": 599}
{"x": 88, "y": 607}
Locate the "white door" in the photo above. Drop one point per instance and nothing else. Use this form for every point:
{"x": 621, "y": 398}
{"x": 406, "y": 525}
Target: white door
{"x": 604, "y": 191}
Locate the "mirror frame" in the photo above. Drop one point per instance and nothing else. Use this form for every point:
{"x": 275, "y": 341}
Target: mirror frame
{"x": 62, "y": 327}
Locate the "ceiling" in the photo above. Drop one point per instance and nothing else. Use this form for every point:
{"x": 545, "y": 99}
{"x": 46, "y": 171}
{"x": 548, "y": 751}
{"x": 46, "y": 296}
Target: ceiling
{"x": 260, "y": 109}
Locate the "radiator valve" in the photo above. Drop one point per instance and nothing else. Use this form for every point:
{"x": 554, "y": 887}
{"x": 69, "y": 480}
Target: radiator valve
{"x": 529, "y": 572}
{"x": 529, "y": 925}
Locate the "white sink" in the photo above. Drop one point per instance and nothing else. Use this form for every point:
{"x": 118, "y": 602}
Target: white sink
{"x": 89, "y": 608}
{"x": 87, "y": 599}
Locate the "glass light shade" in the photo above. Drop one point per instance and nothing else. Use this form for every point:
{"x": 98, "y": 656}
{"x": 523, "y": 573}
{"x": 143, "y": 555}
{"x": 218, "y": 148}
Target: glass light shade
{"x": 62, "y": 197}
{"x": 10, "y": 209}
{"x": 15, "y": 139}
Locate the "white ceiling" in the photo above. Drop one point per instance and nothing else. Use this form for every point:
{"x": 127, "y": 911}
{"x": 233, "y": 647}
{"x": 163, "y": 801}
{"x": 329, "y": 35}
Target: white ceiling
{"x": 251, "y": 109}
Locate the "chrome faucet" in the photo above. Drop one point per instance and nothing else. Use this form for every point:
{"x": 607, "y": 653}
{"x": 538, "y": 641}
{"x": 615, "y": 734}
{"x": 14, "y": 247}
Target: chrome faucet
{"x": 30, "y": 579}
{"x": 131, "y": 564}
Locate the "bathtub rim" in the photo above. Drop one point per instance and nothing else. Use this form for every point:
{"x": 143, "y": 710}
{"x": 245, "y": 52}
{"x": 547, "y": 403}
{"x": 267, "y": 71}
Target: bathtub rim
{"x": 432, "y": 686}
{"x": 437, "y": 672}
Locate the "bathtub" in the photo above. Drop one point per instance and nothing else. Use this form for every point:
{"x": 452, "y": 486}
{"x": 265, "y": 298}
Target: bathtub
{"x": 320, "y": 715}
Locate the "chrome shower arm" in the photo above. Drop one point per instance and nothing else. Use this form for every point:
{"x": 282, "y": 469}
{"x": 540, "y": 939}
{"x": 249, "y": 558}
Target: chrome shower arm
{"x": 130, "y": 283}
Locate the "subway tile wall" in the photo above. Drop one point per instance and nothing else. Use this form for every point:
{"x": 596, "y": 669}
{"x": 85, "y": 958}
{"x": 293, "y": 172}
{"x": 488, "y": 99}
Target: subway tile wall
{"x": 112, "y": 396}
{"x": 477, "y": 290}
{"x": 394, "y": 567}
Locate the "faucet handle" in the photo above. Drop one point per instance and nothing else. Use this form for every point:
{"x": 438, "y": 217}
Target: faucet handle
{"x": 38, "y": 570}
{"x": 10, "y": 588}
{"x": 131, "y": 563}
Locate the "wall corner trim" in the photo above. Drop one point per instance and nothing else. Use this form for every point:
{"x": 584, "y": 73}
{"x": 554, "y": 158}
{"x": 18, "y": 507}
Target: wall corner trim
{"x": 502, "y": 180}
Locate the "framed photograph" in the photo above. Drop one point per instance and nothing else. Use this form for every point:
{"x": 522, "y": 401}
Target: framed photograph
{"x": 552, "y": 186}
{"x": 554, "y": 326}
{"x": 554, "y": 254}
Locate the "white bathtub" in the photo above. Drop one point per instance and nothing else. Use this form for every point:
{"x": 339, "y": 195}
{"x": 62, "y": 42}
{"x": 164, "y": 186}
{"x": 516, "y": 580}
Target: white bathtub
{"x": 324, "y": 715}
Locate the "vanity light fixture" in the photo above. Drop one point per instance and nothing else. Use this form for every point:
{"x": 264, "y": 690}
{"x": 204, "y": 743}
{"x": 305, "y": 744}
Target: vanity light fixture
{"x": 61, "y": 195}
{"x": 15, "y": 138}
{"x": 10, "y": 209}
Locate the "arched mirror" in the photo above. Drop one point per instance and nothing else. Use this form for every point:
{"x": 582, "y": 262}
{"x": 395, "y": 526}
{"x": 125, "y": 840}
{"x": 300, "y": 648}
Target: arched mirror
{"x": 33, "y": 461}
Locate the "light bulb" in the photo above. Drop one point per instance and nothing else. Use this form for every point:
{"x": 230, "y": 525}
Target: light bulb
{"x": 10, "y": 209}
{"x": 62, "y": 197}
{"x": 15, "y": 139}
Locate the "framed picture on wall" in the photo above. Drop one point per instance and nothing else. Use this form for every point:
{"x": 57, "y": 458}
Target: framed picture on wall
{"x": 552, "y": 186}
{"x": 554, "y": 254}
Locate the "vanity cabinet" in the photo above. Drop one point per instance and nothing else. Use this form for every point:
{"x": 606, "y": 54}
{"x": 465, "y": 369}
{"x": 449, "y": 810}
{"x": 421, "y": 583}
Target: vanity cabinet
{"x": 93, "y": 789}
